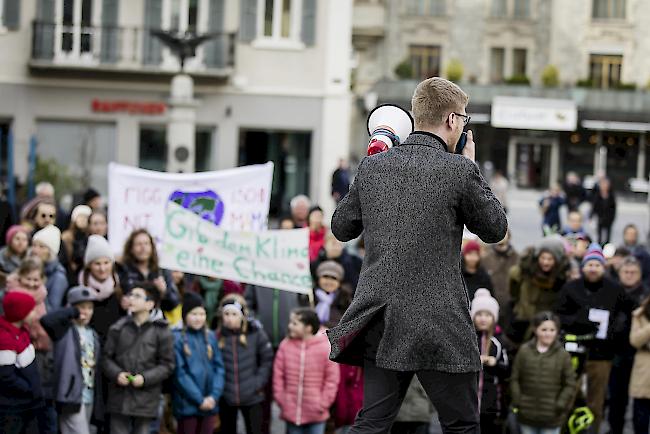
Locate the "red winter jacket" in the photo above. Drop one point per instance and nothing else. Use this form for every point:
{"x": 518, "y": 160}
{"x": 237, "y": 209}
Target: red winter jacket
{"x": 349, "y": 399}
{"x": 305, "y": 381}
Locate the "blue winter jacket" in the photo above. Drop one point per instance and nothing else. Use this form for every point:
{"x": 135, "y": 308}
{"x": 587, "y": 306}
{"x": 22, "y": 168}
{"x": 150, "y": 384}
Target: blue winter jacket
{"x": 196, "y": 376}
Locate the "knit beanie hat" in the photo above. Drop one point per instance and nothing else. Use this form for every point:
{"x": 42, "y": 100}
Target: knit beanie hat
{"x": 483, "y": 300}
{"x": 471, "y": 246}
{"x": 96, "y": 248}
{"x": 12, "y": 231}
{"x": 553, "y": 244}
{"x": 191, "y": 300}
{"x": 80, "y": 210}
{"x": 17, "y": 305}
{"x": 79, "y": 294}
{"x": 51, "y": 237}
{"x": 331, "y": 269}
{"x": 594, "y": 253}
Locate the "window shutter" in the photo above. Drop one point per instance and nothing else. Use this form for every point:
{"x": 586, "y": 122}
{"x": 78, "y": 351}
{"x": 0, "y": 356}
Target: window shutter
{"x": 248, "y": 21}
{"x": 152, "y": 47}
{"x": 44, "y": 30}
{"x": 216, "y": 49}
{"x": 11, "y": 14}
{"x": 308, "y": 30}
{"x": 109, "y": 52}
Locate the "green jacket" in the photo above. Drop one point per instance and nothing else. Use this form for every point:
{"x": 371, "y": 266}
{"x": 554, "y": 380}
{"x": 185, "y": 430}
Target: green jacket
{"x": 543, "y": 385}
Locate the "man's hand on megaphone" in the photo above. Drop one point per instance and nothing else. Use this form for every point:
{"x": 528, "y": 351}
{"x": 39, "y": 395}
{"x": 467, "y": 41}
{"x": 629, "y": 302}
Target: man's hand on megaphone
{"x": 470, "y": 147}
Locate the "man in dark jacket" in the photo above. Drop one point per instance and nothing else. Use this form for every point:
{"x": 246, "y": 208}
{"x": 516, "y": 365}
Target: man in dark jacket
{"x": 410, "y": 313}
{"x": 595, "y": 304}
{"x": 138, "y": 357}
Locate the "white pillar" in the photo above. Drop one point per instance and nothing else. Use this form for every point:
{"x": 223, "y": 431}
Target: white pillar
{"x": 554, "y": 172}
{"x": 512, "y": 160}
{"x": 182, "y": 125}
{"x": 640, "y": 162}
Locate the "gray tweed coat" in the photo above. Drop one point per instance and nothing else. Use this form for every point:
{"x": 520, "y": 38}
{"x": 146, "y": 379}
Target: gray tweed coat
{"x": 411, "y": 203}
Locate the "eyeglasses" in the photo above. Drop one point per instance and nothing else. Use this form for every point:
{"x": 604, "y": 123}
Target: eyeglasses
{"x": 44, "y": 216}
{"x": 465, "y": 117}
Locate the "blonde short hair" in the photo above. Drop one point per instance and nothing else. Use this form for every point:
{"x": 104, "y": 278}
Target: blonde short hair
{"x": 433, "y": 100}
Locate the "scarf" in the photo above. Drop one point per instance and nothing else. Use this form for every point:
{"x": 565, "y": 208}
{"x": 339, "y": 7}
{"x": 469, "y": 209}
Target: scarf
{"x": 324, "y": 305}
{"x": 38, "y": 335}
{"x": 211, "y": 295}
{"x": 104, "y": 289}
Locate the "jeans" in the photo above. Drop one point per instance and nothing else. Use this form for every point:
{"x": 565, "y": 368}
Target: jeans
{"x": 641, "y": 416}
{"x": 453, "y": 395}
{"x": 525, "y": 429}
{"x": 312, "y": 428}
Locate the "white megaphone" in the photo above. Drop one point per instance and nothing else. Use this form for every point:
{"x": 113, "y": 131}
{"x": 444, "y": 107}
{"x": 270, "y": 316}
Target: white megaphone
{"x": 388, "y": 126}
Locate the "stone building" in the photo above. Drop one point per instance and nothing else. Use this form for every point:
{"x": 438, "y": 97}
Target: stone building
{"x": 554, "y": 85}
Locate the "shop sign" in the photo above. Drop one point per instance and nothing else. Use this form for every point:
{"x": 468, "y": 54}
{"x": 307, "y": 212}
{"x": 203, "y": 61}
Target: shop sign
{"x": 130, "y": 107}
{"x": 534, "y": 114}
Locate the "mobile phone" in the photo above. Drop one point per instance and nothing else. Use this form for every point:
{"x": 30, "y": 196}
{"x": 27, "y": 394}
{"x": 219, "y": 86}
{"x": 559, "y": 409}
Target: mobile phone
{"x": 461, "y": 143}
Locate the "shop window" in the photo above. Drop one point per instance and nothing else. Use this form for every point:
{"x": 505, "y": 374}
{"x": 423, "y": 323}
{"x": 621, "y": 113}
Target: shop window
{"x": 607, "y": 9}
{"x": 153, "y": 149}
{"x": 203, "y": 150}
{"x": 290, "y": 152}
{"x": 605, "y": 70}
{"x": 497, "y": 61}
{"x": 426, "y": 7}
{"x": 519, "y": 62}
{"x": 425, "y": 61}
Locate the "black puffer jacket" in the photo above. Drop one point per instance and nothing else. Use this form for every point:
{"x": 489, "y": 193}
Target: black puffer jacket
{"x": 248, "y": 368}
{"x": 492, "y": 378}
{"x": 147, "y": 350}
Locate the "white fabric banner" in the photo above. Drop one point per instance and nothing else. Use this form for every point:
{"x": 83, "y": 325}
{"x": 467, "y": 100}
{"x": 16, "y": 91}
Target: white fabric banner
{"x": 233, "y": 199}
{"x": 276, "y": 258}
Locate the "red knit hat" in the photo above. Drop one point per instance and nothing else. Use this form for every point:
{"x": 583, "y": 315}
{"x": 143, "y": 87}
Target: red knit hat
{"x": 471, "y": 246}
{"x": 17, "y": 305}
{"x": 12, "y": 231}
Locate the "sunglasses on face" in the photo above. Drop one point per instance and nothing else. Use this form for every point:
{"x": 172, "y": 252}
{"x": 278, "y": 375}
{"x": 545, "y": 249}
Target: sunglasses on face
{"x": 48, "y": 216}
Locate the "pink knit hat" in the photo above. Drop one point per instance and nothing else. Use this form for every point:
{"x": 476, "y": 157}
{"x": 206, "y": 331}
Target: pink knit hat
{"x": 12, "y": 231}
{"x": 483, "y": 300}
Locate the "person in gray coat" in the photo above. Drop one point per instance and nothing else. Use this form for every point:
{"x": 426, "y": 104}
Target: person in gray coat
{"x": 410, "y": 314}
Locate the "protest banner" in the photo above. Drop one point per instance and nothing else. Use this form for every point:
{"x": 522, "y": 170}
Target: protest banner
{"x": 273, "y": 258}
{"x": 234, "y": 199}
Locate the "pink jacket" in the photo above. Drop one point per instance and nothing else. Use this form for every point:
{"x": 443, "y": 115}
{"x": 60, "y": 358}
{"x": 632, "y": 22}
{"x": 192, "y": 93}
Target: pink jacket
{"x": 305, "y": 381}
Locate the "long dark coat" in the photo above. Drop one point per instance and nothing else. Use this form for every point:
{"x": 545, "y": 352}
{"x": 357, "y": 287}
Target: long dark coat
{"x": 412, "y": 202}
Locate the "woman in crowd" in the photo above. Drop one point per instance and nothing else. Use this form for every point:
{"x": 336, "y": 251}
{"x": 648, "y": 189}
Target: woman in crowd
{"x": 74, "y": 241}
{"x": 15, "y": 250}
{"x": 45, "y": 245}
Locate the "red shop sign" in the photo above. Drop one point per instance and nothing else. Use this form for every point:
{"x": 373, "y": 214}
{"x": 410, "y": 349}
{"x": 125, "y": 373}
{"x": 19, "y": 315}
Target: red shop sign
{"x": 130, "y": 107}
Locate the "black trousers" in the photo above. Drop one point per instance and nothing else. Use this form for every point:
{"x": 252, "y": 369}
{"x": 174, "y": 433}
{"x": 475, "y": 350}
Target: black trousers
{"x": 619, "y": 388}
{"x": 641, "y": 416}
{"x": 252, "y": 418}
{"x": 455, "y": 397}
{"x": 604, "y": 233}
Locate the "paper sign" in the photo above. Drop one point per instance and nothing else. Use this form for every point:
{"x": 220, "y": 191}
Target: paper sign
{"x": 601, "y": 317}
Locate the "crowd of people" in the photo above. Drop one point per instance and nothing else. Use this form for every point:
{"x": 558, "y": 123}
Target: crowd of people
{"x": 91, "y": 342}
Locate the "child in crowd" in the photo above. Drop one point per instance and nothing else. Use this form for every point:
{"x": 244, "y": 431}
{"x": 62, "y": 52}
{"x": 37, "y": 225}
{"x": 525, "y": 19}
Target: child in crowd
{"x": 247, "y": 357}
{"x": 640, "y": 379}
{"x": 199, "y": 373}
{"x": 45, "y": 245}
{"x": 76, "y": 353}
{"x": 15, "y": 250}
{"x": 416, "y": 412}
{"x": 305, "y": 381}
{"x": 21, "y": 396}
{"x": 332, "y": 297}
{"x": 485, "y": 312}
{"x": 138, "y": 357}
{"x": 473, "y": 272}
{"x": 543, "y": 380}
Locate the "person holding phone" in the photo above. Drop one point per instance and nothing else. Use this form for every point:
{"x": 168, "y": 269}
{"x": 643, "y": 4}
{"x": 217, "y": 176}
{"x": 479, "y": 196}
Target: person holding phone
{"x": 410, "y": 314}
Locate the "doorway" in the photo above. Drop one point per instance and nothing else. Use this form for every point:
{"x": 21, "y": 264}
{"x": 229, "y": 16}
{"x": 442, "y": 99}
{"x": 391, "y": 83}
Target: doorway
{"x": 533, "y": 164}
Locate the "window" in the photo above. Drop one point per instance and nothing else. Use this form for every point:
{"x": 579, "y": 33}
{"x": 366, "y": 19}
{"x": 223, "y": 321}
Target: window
{"x": 605, "y": 70}
{"x": 519, "y": 62}
{"x": 499, "y": 8}
{"x": 280, "y": 19}
{"x": 153, "y": 148}
{"x": 425, "y": 61}
{"x": 497, "y": 60}
{"x": 184, "y": 15}
{"x": 522, "y": 9}
{"x": 203, "y": 150}
{"x": 608, "y": 9}
{"x": 426, "y": 7}
{"x": 76, "y": 20}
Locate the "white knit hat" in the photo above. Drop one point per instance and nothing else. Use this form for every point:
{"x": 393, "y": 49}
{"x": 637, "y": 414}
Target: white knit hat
{"x": 96, "y": 248}
{"x": 80, "y": 210}
{"x": 483, "y": 300}
{"x": 51, "y": 237}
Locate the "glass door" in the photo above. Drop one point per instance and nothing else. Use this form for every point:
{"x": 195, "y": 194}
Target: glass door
{"x": 75, "y": 30}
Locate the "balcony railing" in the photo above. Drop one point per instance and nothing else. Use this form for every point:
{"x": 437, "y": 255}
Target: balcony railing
{"x": 123, "y": 49}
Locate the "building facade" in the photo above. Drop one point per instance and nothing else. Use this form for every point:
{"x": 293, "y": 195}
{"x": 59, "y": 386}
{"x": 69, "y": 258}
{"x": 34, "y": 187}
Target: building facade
{"x": 88, "y": 82}
{"x": 554, "y": 86}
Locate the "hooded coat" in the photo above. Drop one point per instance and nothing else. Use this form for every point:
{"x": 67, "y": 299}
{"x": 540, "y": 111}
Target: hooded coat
{"x": 411, "y": 202}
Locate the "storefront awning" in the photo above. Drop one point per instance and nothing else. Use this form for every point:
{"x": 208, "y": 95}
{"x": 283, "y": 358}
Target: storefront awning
{"x": 534, "y": 113}
{"x": 635, "y": 127}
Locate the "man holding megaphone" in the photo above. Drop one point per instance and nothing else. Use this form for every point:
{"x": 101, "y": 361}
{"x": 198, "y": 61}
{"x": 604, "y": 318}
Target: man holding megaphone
{"x": 410, "y": 313}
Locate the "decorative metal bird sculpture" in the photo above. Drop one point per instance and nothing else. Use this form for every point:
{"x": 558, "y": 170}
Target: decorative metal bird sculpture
{"x": 182, "y": 45}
